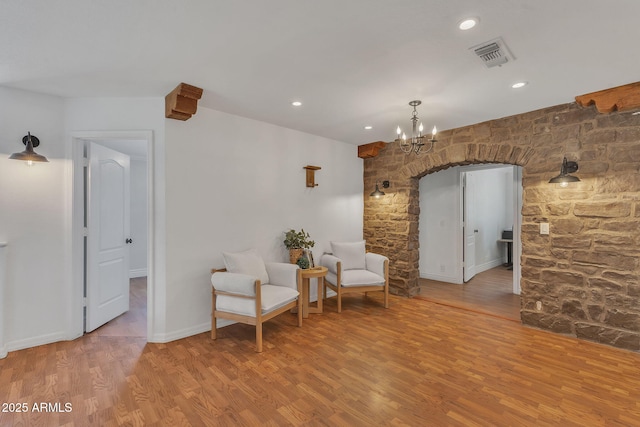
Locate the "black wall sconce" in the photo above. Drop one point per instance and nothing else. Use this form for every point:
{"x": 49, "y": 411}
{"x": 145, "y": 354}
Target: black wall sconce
{"x": 377, "y": 193}
{"x": 565, "y": 178}
{"x": 28, "y": 155}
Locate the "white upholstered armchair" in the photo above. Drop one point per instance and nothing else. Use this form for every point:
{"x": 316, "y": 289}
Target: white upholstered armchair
{"x": 251, "y": 291}
{"x": 352, "y": 269}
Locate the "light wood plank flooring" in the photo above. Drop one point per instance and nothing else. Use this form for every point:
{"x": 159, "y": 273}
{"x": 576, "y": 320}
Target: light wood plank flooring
{"x": 415, "y": 364}
{"x": 489, "y": 292}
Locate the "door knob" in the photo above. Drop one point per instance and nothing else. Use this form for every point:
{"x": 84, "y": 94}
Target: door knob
{"x": 129, "y": 241}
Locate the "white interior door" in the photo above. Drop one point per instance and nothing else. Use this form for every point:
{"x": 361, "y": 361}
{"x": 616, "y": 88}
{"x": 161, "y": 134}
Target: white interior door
{"x": 468, "y": 227}
{"x": 108, "y": 224}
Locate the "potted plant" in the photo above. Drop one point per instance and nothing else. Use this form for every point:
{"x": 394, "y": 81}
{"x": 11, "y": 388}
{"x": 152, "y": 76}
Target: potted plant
{"x": 297, "y": 242}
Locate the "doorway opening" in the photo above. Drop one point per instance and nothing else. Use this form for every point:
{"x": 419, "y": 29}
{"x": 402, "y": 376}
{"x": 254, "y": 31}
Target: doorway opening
{"x": 469, "y": 231}
{"x": 138, "y": 148}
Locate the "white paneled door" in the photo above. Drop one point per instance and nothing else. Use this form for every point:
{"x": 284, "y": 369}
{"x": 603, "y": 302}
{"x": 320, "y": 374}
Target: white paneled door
{"x": 108, "y": 228}
{"x": 468, "y": 226}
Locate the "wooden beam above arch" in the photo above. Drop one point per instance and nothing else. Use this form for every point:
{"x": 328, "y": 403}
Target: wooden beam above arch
{"x": 621, "y": 98}
{"x": 370, "y": 150}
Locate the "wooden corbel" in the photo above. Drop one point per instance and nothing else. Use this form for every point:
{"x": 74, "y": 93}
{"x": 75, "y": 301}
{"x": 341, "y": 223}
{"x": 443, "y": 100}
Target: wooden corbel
{"x": 370, "y": 150}
{"x": 182, "y": 102}
{"x": 619, "y": 98}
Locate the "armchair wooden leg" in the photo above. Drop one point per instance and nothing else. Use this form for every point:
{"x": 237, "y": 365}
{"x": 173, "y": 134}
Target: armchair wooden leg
{"x": 339, "y": 301}
{"x": 299, "y": 311}
{"x": 259, "y": 337}
{"x": 213, "y": 316}
{"x": 386, "y": 297}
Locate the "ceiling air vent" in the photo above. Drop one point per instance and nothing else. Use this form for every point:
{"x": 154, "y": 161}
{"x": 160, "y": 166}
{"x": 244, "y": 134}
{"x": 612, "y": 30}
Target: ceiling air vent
{"x": 493, "y": 53}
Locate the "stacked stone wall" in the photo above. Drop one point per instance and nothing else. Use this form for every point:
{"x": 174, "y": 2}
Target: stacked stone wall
{"x": 585, "y": 272}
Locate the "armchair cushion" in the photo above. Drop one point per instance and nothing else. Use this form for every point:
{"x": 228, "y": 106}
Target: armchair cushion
{"x": 357, "y": 278}
{"x": 247, "y": 262}
{"x": 352, "y": 254}
{"x": 375, "y": 263}
{"x": 241, "y": 284}
{"x": 282, "y": 274}
{"x": 331, "y": 262}
{"x": 273, "y": 297}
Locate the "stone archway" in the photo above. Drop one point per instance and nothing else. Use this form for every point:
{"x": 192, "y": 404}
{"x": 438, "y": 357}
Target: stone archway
{"x": 585, "y": 273}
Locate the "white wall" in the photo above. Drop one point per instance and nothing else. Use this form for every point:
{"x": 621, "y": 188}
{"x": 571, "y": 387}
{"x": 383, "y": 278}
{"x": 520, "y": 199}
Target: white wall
{"x": 33, "y": 220}
{"x": 234, "y": 184}
{"x": 440, "y": 220}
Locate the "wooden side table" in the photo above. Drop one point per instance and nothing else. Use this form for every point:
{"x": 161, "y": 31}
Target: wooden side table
{"x": 318, "y": 273}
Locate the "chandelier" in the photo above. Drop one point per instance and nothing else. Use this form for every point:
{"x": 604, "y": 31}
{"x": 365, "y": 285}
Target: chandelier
{"x": 417, "y": 141}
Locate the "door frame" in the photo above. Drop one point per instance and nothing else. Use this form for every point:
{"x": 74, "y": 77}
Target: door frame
{"x": 466, "y": 226}
{"x": 76, "y": 314}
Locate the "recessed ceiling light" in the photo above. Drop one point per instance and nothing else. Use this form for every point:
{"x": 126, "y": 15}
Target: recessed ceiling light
{"x": 368, "y": 127}
{"x": 518, "y": 85}
{"x": 467, "y": 24}
{"x": 296, "y": 103}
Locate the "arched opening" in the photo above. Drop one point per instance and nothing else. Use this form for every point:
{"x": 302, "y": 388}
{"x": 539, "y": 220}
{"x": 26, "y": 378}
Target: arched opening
{"x": 469, "y": 235}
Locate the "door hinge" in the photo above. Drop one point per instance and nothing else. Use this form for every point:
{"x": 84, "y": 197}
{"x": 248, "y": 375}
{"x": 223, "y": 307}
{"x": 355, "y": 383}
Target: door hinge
{"x": 84, "y": 301}
{"x": 85, "y": 162}
{"x": 85, "y": 231}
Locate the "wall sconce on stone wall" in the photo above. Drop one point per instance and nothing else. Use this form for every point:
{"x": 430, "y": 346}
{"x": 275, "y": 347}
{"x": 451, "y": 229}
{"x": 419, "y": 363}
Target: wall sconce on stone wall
{"x": 565, "y": 170}
{"x": 377, "y": 193}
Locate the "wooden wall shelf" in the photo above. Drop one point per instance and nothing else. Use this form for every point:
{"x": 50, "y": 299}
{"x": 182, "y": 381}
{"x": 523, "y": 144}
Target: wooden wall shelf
{"x": 311, "y": 180}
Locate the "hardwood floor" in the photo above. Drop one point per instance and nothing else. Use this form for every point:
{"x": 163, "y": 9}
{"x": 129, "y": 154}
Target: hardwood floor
{"x": 417, "y": 363}
{"x": 489, "y": 292}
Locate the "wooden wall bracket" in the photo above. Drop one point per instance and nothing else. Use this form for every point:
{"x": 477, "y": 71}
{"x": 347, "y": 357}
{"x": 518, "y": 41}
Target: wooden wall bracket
{"x": 619, "y": 98}
{"x": 311, "y": 179}
{"x": 182, "y": 102}
{"x": 370, "y": 150}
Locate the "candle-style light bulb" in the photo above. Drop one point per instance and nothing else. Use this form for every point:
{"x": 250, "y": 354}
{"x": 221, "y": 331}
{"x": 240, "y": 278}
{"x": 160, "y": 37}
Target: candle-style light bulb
{"x": 398, "y": 132}
{"x": 404, "y": 136}
{"x": 420, "y": 129}
{"x": 433, "y": 132}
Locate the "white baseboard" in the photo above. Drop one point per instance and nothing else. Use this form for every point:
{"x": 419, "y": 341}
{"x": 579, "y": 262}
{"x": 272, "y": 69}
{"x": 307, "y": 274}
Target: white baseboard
{"x": 182, "y": 333}
{"x": 35, "y": 341}
{"x": 439, "y": 278}
{"x": 489, "y": 265}
{"x": 137, "y": 272}
{"x": 3, "y": 352}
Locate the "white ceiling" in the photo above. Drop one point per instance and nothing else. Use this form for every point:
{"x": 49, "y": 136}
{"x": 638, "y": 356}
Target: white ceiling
{"x": 351, "y": 62}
